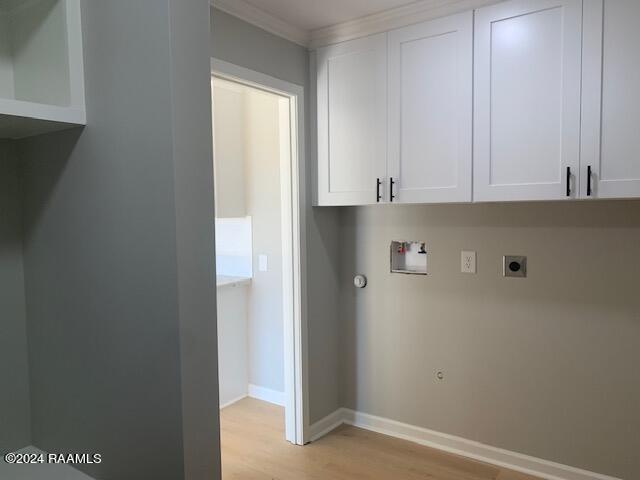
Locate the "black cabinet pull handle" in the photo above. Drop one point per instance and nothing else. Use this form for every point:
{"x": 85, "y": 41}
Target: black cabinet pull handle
{"x": 568, "y": 181}
{"x": 589, "y": 181}
{"x": 378, "y": 183}
{"x": 391, "y": 184}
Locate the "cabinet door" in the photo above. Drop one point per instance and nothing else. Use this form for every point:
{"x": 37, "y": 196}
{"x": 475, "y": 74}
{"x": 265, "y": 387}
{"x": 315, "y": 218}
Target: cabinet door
{"x": 527, "y": 100}
{"x": 352, "y": 111}
{"x": 611, "y": 99}
{"x": 430, "y": 111}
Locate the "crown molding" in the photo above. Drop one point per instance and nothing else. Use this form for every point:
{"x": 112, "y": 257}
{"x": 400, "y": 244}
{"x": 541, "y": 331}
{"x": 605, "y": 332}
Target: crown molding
{"x": 255, "y": 16}
{"x": 402, "y": 16}
{"x": 416, "y": 12}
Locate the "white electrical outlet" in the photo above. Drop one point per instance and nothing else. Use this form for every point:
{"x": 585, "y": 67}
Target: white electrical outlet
{"x": 468, "y": 262}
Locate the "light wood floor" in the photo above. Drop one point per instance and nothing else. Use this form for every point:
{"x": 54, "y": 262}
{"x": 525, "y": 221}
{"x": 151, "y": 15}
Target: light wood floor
{"x": 253, "y": 447}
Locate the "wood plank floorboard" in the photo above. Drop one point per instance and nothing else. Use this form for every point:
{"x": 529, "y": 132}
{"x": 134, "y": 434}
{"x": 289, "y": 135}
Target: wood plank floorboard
{"x": 254, "y": 448}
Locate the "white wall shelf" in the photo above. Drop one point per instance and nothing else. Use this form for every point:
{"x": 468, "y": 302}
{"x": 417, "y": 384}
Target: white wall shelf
{"x": 41, "y": 67}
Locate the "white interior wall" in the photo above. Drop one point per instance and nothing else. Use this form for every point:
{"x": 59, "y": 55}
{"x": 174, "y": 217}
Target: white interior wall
{"x": 233, "y": 261}
{"x": 233, "y": 239}
{"x": 247, "y": 165}
{"x": 266, "y": 329}
{"x": 229, "y": 144}
{"x": 232, "y": 343}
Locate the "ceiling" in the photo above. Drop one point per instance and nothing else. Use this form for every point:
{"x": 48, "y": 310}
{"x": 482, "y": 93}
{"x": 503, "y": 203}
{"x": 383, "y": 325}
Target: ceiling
{"x": 316, "y": 23}
{"x": 313, "y": 14}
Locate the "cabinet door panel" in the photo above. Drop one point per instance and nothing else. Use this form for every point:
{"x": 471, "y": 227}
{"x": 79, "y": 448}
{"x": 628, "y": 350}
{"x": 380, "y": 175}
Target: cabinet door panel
{"x": 611, "y": 99}
{"x": 527, "y": 99}
{"x": 430, "y": 110}
{"x": 352, "y": 92}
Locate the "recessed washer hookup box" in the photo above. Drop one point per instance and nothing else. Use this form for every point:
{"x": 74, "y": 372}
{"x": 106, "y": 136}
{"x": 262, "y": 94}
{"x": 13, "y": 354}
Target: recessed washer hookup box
{"x": 409, "y": 257}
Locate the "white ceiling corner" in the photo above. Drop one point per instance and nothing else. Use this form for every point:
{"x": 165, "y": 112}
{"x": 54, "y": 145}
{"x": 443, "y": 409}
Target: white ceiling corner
{"x": 298, "y": 20}
{"x": 409, "y": 14}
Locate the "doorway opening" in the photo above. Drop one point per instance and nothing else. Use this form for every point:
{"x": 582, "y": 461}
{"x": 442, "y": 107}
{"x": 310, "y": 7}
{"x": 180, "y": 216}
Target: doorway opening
{"x": 259, "y": 183}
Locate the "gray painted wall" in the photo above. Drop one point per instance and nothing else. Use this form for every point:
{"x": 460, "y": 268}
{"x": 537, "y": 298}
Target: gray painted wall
{"x": 546, "y": 366}
{"x": 15, "y": 429}
{"x": 119, "y": 252}
{"x": 240, "y": 43}
{"x": 195, "y": 222}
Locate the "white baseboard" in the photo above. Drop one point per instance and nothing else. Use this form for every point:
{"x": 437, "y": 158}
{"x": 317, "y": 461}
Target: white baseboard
{"x": 452, "y": 444}
{"x": 267, "y": 395}
{"x": 231, "y": 402}
{"x": 326, "y": 425}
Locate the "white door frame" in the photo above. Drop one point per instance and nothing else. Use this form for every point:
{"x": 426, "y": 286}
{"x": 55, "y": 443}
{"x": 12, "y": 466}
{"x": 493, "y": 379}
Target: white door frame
{"x": 293, "y": 201}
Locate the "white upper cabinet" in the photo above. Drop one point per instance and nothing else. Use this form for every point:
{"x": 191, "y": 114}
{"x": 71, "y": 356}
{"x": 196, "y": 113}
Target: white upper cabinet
{"x": 430, "y": 111}
{"x": 527, "y": 100}
{"x": 611, "y": 99}
{"x": 521, "y": 100}
{"x": 352, "y": 121}
{"x": 41, "y": 67}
